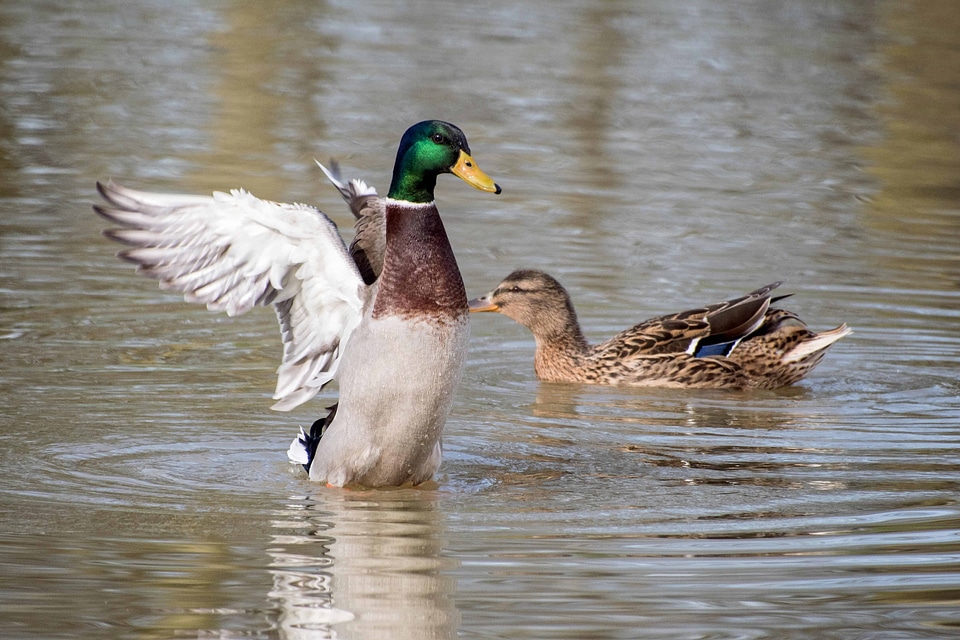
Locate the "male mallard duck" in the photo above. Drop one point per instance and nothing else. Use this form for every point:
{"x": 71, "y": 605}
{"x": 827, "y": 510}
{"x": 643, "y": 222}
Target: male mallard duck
{"x": 738, "y": 344}
{"x": 395, "y": 338}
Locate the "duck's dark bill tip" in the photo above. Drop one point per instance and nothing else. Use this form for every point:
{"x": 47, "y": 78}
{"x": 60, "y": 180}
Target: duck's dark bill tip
{"x": 497, "y": 188}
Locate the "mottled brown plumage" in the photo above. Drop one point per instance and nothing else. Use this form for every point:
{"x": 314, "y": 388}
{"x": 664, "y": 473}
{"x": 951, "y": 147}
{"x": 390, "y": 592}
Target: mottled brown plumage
{"x": 737, "y": 344}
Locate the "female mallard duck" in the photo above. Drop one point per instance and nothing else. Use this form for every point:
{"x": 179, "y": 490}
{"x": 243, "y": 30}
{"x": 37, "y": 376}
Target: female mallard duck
{"x": 738, "y": 344}
{"x": 394, "y": 337}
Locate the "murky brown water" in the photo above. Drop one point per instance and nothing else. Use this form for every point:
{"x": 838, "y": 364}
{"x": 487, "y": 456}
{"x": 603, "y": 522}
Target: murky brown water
{"x": 653, "y": 155}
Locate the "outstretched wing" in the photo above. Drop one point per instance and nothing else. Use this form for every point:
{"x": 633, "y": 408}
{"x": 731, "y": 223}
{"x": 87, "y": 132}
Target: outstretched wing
{"x": 233, "y": 251}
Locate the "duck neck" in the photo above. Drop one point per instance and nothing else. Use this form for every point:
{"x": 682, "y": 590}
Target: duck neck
{"x": 412, "y": 182}
{"x": 420, "y": 276}
{"x": 560, "y": 346}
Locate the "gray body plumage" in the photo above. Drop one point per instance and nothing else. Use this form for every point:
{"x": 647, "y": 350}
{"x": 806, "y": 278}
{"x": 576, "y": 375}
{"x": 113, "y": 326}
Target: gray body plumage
{"x": 384, "y": 433}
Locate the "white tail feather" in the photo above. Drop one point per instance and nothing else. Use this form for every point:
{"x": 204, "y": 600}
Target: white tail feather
{"x": 819, "y": 343}
{"x": 297, "y": 453}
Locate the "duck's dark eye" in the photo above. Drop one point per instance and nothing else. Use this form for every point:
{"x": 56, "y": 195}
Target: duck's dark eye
{"x": 438, "y": 138}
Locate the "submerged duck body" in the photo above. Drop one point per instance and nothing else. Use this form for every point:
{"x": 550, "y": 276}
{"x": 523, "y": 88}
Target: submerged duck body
{"x": 388, "y": 317}
{"x": 737, "y": 344}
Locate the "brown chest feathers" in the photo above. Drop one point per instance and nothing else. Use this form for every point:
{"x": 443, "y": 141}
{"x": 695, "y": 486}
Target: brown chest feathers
{"x": 420, "y": 275}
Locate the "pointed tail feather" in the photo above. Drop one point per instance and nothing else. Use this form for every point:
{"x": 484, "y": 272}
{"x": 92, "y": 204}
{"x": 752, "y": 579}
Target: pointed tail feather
{"x": 820, "y": 342}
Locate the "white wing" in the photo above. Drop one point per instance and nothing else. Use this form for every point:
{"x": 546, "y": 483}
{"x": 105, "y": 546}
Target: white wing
{"x": 233, "y": 252}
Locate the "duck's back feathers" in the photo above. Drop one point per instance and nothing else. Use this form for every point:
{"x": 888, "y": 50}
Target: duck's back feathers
{"x": 232, "y": 252}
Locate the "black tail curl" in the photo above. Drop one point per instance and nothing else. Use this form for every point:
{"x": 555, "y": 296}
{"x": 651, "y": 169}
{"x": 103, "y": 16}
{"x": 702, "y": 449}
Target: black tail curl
{"x": 317, "y": 429}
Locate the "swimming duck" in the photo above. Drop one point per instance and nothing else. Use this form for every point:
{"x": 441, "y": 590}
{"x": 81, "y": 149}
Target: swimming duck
{"x": 395, "y": 337}
{"x": 737, "y": 344}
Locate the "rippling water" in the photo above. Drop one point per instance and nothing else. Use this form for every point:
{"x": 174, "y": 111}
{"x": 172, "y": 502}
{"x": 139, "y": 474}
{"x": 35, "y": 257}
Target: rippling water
{"x": 654, "y": 156}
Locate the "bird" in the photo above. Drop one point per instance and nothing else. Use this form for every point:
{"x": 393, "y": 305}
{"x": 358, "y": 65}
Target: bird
{"x": 387, "y": 318}
{"x": 741, "y": 344}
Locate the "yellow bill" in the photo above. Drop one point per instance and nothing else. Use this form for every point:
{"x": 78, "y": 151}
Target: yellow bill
{"x": 468, "y": 171}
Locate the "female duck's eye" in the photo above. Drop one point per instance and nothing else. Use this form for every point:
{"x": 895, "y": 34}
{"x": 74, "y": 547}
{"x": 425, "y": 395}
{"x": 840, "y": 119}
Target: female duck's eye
{"x": 438, "y": 138}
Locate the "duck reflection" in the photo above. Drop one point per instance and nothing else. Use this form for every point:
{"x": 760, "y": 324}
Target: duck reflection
{"x": 654, "y": 407}
{"x": 719, "y": 438}
{"x": 362, "y": 564}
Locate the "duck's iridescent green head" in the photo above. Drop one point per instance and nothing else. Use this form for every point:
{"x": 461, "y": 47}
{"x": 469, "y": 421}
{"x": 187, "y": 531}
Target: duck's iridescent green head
{"x": 428, "y": 149}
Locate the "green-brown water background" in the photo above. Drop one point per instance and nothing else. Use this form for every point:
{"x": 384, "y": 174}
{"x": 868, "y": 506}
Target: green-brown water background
{"x": 653, "y": 155}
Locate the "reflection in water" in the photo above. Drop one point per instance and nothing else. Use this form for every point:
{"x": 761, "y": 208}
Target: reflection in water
{"x": 721, "y": 438}
{"x": 917, "y": 160}
{"x": 301, "y": 581}
{"x": 273, "y": 113}
{"x": 600, "y": 47}
{"x": 369, "y": 561}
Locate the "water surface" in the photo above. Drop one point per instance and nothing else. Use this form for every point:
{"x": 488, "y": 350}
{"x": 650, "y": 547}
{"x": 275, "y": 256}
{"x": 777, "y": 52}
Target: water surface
{"x": 653, "y": 156}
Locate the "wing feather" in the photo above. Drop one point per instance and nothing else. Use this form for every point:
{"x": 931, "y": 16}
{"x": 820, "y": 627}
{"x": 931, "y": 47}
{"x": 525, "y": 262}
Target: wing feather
{"x": 689, "y": 330}
{"x": 232, "y": 252}
{"x": 370, "y": 237}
